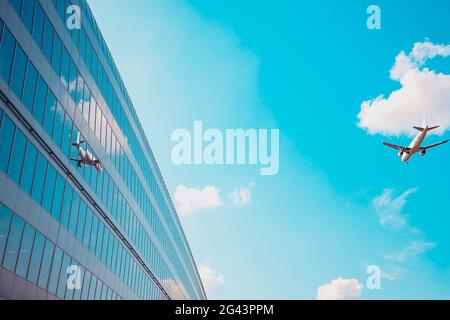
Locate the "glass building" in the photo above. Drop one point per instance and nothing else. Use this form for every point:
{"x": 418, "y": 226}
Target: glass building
{"x": 70, "y": 231}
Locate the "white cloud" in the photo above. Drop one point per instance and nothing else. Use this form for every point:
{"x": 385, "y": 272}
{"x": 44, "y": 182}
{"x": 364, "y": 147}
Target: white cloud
{"x": 191, "y": 199}
{"x": 241, "y": 195}
{"x": 389, "y": 209}
{"x": 423, "y": 92}
{"x": 340, "y": 289}
{"x": 413, "y": 249}
{"x": 213, "y": 282}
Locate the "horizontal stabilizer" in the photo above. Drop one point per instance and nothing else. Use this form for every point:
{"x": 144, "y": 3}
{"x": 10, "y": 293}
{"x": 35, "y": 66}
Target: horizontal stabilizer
{"x": 432, "y": 128}
{"x": 429, "y": 129}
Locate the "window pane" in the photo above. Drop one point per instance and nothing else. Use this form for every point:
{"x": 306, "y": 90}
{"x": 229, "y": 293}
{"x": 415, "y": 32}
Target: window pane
{"x": 88, "y": 54}
{"x": 87, "y": 227}
{"x": 38, "y": 25}
{"x": 62, "y": 284}
{"x": 17, "y": 5}
{"x": 47, "y": 45}
{"x": 58, "y": 197}
{"x": 94, "y": 66}
{"x": 5, "y": 221}
{"x": 110, "y": 250}
{"x": 74, "y": 214}
{"x": 83, "y": 44}
{"x": 86, "y": 284}
{"x": 59, "y": 125}
{"x": 27, "y": 14}
{"x": 92, "y": 114}
{"x": 86, "y": 103}
{"x": 75, "y": 36}
{"x": 65, "y": 213}
{"x": 55, "y": 271}
{"x": 12, "y": 247}
{"x": 98, "y": 250}
{"x": 98, "y": 122}
{"x": 18, "y": 74}
{"x": 39, "y": 177}
{"x": 67, "y": 135}
{"x": 61, "y": 8}
{"x": 49, "y": 188}
{"x": 17, "y": 155}
{"x": 103, "y": 133}
{"x": 6, "y": 137}
{"x": 36, "y": 258}
{"x": 30, "y": 86}
{"x": 80, "y": 88}
{"x": 6, "y": 54}
{"x": 81, "y": 219}
{"x": 105, "y": 245}
{"x": 72, "y": 80}
{"x": 65, "y": 68}
{"x": 56, "y": 57}
{"x": 39, "y": 104}
{"x": 92, "y": 288}
{"x": 46, "y": 263}
{"x": 98, "y": 291}
{"x": 50, "y": 109}
{"x": 25, "y": 251}
{"x": 26, "y": 181}
{"x": 94, "y": 230}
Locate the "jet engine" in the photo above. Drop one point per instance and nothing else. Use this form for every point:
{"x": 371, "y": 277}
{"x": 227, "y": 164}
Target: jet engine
{"x": 423, "y": 152}
{"x": 400, "y": 153}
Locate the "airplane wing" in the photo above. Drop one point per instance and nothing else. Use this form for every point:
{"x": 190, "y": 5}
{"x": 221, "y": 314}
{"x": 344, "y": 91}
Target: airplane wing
{"x": 396, "y": 147}
{"x": 433, "y": 145}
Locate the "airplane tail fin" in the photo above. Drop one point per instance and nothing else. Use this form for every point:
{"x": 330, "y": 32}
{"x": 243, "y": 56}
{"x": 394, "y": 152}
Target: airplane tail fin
{"x": 77, "y": 142}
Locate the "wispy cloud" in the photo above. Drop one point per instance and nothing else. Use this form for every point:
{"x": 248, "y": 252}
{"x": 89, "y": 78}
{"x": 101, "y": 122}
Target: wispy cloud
{"x": 340, "y": 289}
{"x": 390, "y": 209}
{"x": 241, "y": 196}
{"x": 413, "y": 249}
{"x": 423, "y": 92}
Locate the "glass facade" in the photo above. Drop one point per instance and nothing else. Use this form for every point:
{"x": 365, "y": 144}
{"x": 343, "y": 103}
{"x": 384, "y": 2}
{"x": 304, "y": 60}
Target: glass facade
{"x": 117, "y": 228}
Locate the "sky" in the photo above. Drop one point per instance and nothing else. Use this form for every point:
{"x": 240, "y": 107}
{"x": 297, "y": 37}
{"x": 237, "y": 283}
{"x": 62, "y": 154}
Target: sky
{"x": 341, "y": 201}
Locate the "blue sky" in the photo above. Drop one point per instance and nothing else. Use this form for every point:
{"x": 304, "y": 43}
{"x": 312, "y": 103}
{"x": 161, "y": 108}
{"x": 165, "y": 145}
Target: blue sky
{"x": 305, "y": 68}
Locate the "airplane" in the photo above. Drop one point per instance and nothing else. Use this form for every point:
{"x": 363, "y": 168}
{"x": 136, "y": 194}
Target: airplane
{"x": 405, "y": 153}
{"x": 84, "y": 157}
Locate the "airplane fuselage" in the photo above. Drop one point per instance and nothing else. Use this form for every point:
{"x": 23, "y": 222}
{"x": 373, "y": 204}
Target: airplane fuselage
{"x": 414, "y": 146}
